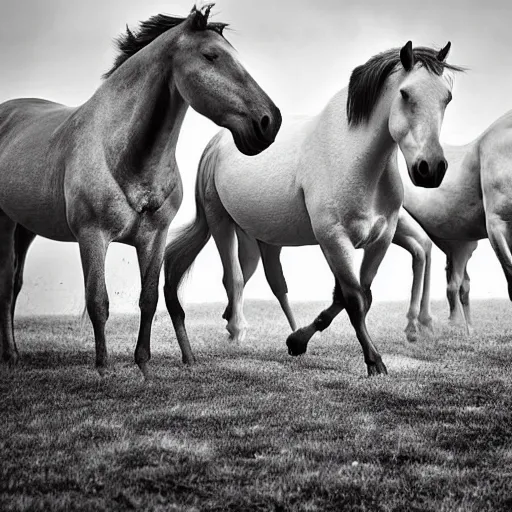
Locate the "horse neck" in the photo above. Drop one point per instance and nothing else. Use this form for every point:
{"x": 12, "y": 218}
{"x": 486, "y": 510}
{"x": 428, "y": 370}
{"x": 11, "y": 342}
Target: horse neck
{"x": 370, "y": 144}
{"x": 145, "y": 112}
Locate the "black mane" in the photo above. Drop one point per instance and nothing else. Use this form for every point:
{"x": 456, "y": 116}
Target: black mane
{"x": 367, "y": 80}
{"x": 132, "y": 42}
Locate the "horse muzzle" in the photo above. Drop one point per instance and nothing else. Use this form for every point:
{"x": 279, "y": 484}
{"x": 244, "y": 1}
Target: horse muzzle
{"x": 429, "y": 173}
{"x": 258, "y": 132}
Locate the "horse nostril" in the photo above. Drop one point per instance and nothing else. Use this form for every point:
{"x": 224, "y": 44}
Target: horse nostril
{"x": 265, "y": 123}
{"x": 442, "y": 166}
{"x": 423, "y": 168}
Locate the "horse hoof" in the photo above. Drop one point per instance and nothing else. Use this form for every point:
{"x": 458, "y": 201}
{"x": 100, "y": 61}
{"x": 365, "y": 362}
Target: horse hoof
{"x": 189, "y": 360}
{"x": 412, "y": 331}
{"x": 427, "y": 328}
{"x": 296, "y": 343}
{"x": 378, "y": 368}
{"x": 10, "y": 360}
{"x": 412, "y": 337}
{"x": 144, "y": 368}
{"x": 237, "y": 335}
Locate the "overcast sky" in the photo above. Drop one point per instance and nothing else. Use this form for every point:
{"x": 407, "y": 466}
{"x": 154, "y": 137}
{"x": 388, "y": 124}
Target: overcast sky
{"x": 301, "y": 53}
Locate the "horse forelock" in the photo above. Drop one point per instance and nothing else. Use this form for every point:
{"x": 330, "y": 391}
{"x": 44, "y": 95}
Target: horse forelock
{"x": 367, "y": 80}
{"x": 132, "y": 42}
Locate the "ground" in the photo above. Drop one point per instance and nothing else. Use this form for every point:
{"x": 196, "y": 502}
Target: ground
{"x": 251, "y": 428}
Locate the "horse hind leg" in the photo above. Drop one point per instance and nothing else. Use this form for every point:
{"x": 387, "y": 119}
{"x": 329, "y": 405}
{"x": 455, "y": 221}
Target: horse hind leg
{"x": 23, "y": 238}
{"x": 500, "y": 236}
{"x": 411, "y": 237}
{"x": 223, "y": 230}
{"x": 270, "y": 255}
{"x": 9, "y": 352}
{"x": 458, "y": 254}
{"x": 249, "y": 257}
{"x": 464, "y": 299}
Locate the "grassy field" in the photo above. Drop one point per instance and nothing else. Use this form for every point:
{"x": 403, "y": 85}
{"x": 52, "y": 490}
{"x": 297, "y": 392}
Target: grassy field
{"x": 250, "y": 428}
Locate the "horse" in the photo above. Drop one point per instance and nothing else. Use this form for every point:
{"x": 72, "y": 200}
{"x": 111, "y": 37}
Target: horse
{"x": 331, "y": 179}
{"x": 474, "y": 202}
{"x": 106, "y": 171}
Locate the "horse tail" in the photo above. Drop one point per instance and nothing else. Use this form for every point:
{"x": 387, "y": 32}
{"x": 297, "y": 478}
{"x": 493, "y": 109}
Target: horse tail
{"x": 181, "y": 253}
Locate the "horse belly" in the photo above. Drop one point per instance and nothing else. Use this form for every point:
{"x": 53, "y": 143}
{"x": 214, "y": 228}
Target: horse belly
{"x": 269, "y": 217}
{"x": 33, "y": 205}
{"x": 276, "y": 227}
{"x": 463, "y": 222}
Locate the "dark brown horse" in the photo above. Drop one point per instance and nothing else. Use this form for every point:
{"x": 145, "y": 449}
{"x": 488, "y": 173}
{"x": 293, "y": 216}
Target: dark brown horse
{"x": 106, "y": 171}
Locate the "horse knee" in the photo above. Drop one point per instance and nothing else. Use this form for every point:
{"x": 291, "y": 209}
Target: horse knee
{"x": 426, "y": 245}
{"x": 452, "y": 289}
{"x": 98, "y": 308}
{"x": 464, "y": 292}
{"x": 148, "y": 301}
{"x": 356, "y": 305}
{"x": 453, "y": 294}
{"x": 418, "y": 253}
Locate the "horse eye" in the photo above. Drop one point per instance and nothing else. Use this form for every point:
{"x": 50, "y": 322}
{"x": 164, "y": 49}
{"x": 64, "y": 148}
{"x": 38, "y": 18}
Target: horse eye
{"x": 211, "y": 57}
{"x": 405, "y": 94}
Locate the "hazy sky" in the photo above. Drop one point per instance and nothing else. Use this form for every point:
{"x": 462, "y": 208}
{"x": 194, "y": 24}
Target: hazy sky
{"x": 301, "y": 52}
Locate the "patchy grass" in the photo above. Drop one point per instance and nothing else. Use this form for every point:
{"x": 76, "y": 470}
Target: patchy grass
{"x": 250, "y": 428}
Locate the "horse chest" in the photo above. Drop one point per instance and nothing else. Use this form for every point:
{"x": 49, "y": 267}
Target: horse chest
{"x": 122, "y": 208}
{"x": 365, "y": 231}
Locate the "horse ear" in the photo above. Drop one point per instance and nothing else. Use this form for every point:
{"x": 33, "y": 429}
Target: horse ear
{"x": 200, "y": 15}
{"x": 443, "y": 53}
{"x": 407, "y": 56}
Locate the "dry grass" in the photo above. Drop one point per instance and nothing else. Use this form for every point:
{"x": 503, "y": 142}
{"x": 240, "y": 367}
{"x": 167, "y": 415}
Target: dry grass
{"x": 250, "y": 428}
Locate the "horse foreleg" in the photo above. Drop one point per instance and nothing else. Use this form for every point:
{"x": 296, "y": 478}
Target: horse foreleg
{"x": 425, "y": 317}
{"x": 356, "y": 293}
{"x": 356, "y": 296}
{"x": 150, "y": 254}
{"x": 9, "y": 353}
{"x": 297, "y": 341}
{"x": 270, "y": 255}
{"x": 358, "y": 309}
{"x": 93, "y": 248}
{"x": 410, "y": 236}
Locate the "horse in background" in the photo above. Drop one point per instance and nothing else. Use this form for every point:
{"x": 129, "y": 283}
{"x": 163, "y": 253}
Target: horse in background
{"x": 331, "y": 180}
{"x": 474, "y": 202}
{"x": 106, "y": 171}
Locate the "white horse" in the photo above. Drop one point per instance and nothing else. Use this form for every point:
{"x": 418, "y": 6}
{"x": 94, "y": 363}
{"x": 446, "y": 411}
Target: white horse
{"x": 331, "y": 180}
{"x": 474, "y": 202}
